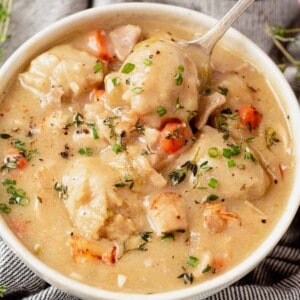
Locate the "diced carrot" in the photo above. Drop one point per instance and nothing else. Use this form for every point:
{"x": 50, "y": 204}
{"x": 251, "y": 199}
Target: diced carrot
{"x": 13, "y": 155}
{"x": 249, "y": 116}
{"x": 281, "y": 170}
{"x": 18, "y": 226}
{"x": 98, "y": 44}
{"x": 174, "y": 136}
{"x": 97, "y": 94}
{"x": 218, "y": 263}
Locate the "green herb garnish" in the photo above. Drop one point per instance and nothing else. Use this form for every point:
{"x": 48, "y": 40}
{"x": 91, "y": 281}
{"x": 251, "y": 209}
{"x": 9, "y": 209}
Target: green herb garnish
{"x": 168, "y": 236}
{"x": 178, "y": 105}
{"x": 62, "y": 190}
{"x": 85, "y": 151}
{"x": 146, "y": 235}
{"x": 178, "y": 79}
{"x": 249, "y": 155}
{"x": 147, "y": 62}
{"x": 187, "y": 278}
{"x": 110, "y": 123}
{"x": 232, "y": 151}
{"x": 128, "y": 68}
{"x": 5, "y": 136}
{"x": 207, "y": 269}
{"x": 137, "y": 90}
{"x": 161, "y": 111}
{"x": 97, "y": 67}
{"x": 116, "y": 81}
{"x": 6, "y": 210}
{"x": 9, "y": 182}
{"x": 212, "y": 197}
{"x": 213, "y": 183}
{"x": 138, "y": 127}
{"x": 271, "y": 137}
{"x": 192, "y": 261}
{"x": 127, "y": 181}
{"x": 231, "y": 163}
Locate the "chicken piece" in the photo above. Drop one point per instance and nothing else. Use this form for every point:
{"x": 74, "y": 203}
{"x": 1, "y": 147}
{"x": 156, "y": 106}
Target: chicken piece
{"x": 123, "y": 39}
{"x": 89, "y": 182}
{"x": 246, "y": 180}
{"x": 147, "y": 172}
{"x": 216, "y": 217}
{"x": 208, "y": 104}
{"x": 167, "y": 213}
{"x": 119, "y": 228}
{"x": 103, "y": 250}
{"x": 148, "y": 87}
{"x": 61, "y": 72}
{"x": 54, "y": 121}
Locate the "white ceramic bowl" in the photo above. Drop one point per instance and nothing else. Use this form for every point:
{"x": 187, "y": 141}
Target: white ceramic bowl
{"x": 122, "y": 13}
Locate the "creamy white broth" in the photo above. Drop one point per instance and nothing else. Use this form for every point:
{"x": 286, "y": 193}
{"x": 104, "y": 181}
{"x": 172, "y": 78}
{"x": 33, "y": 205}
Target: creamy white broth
{"x": 47, "y": 229}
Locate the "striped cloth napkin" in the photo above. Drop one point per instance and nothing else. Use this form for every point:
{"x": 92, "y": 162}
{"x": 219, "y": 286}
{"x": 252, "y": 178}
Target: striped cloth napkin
{"x": 278, "y": 276}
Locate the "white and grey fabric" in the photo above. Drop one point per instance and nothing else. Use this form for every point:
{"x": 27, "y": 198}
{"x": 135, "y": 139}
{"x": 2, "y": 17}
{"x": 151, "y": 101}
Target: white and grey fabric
{"x": 278, "y": 276}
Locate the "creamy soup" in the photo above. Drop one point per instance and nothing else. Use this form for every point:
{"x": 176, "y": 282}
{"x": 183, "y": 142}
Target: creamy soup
{"x": 128, "y": 166}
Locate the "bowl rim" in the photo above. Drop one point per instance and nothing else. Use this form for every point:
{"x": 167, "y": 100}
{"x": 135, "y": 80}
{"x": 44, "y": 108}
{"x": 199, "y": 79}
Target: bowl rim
{"x": 206, "y": 288}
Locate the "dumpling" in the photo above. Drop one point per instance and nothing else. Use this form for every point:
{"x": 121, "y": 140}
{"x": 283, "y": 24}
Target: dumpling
{"x": 158, "y": 82}
{"x": 246, "y": 180}
{"x": 88, "y": 181}
{"x": 62, "y": 72}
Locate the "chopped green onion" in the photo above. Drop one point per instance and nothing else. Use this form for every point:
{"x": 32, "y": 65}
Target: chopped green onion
{"x": 117, "y": 148}
{"x": 192, "y": 261}
{"x": 95, "y": 132}
{"x": 116, "y": 81}
{"x": 181, "y": 68}
{"x": 5, "y": 208}
{"x": 249, "y": 139}
{"x": 85, "y": 151}
{"x": 178, "y": 79}
{"x": 147, "y": 62}
{"x": 213, "y": 152}
{"x": 161, "y": 111}
{"x": 213, "y": 183}
{"x": 9, "y": 182}
{"x": 97, "y": 67}
{"x": 231, "y": 163}
{"x": 232, "y": 151}
{"x": 129, "y": 67}
{"x": 137, "y": 90}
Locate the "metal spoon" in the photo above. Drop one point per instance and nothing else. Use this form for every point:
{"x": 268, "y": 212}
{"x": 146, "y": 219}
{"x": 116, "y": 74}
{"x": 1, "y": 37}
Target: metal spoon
{"x": 202, "y": 47}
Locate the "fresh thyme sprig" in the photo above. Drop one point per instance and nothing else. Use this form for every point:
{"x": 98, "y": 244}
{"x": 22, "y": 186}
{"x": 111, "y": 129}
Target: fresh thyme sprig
{"x": 279, "y": 36}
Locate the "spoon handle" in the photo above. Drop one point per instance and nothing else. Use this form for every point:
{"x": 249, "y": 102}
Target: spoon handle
{"x": 209, "y": 40}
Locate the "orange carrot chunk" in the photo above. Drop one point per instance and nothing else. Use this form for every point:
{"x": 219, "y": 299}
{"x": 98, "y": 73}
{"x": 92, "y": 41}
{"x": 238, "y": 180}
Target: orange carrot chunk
{"x": 98, "y": 44}
{"x": 174, "y": 136}
{"x": 281, "y": 170}
{"x": 249, "y": 116}
{"x": 13, "y": 155}
{"x": 97, "y": 94}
